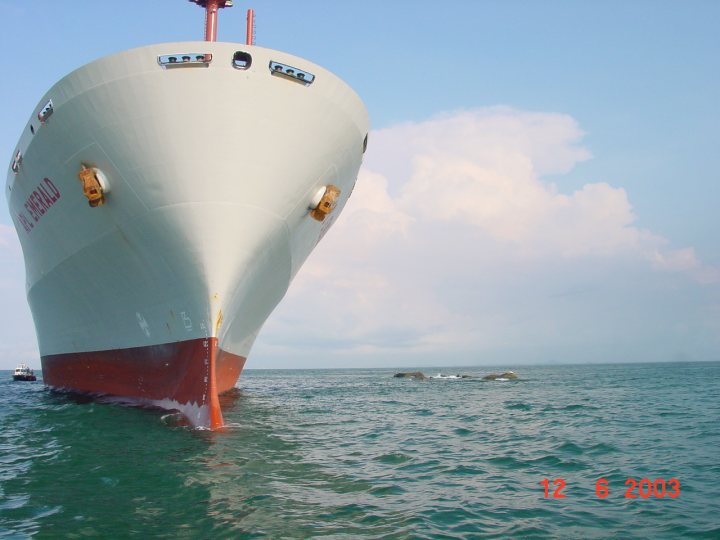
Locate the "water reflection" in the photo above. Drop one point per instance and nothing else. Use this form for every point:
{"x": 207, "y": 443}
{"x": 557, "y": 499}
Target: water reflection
{"x": 76, "y": 465}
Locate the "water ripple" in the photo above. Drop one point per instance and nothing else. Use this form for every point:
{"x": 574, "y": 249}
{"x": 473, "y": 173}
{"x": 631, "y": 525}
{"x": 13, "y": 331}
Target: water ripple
{"x": 358, "y": 454}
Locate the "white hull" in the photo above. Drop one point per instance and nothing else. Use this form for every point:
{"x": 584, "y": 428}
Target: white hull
{"x": 211, "y": 172}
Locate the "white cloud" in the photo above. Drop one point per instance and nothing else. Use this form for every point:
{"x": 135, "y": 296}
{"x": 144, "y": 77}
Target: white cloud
{"x": 684, "y": 260}
{"x": 453, "y": 241}
{"x": 485, "y": 169}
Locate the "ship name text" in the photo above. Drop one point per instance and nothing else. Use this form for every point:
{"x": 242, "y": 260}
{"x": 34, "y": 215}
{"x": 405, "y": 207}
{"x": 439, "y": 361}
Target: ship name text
{"x": 38, "y": 203}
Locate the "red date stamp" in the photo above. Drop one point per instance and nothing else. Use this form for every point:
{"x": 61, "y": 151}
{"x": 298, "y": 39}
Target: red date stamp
{"x": 645, "y": 488}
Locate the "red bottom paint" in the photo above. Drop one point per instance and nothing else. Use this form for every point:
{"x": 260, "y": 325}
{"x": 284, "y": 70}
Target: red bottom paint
{"x": 186, "y": 375}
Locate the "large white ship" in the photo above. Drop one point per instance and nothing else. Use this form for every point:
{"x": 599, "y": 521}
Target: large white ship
{"x": 164, "y": 198}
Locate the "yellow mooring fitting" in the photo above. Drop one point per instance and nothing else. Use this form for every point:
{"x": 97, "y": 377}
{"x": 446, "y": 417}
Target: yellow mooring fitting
{"x": 94, "y": 185}
{"x": 327, "y": 202}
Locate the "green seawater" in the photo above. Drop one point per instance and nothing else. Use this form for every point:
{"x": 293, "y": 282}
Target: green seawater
{"x": 360, "y": 454}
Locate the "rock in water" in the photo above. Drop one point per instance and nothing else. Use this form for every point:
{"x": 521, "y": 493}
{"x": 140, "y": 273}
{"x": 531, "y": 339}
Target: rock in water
{"x": 418, "y": 375}
{"x": 508, "y": 376}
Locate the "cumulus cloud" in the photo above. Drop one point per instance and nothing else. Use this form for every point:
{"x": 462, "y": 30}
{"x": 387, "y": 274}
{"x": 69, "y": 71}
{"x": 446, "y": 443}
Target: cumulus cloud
{"x": 684, "y": 260}
{"x": 485, "y": 168}
{"x": 454, "y": 240}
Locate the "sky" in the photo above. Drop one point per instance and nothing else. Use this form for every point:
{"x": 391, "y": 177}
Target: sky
{"x": 541, "y": 182}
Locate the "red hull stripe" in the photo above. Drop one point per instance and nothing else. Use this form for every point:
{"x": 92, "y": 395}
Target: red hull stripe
{"x": 187, "y": 374}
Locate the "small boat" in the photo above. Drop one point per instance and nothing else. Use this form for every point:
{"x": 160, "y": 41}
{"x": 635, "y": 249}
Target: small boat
{"x": 24, "y": 373}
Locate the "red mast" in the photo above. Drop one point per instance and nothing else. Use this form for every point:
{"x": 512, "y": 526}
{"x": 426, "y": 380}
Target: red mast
{"x": 211, "y": 12}
{"x": 250, "y": 30}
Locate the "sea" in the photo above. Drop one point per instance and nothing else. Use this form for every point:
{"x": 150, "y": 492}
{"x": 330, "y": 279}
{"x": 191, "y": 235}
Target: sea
{"x": 564, "y": 451}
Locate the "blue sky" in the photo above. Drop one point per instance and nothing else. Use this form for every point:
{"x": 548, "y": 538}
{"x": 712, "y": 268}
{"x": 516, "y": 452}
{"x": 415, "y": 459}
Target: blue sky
{"x": 598, "y": 119}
